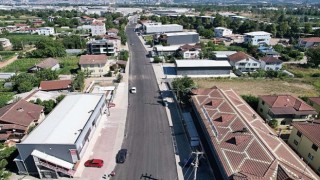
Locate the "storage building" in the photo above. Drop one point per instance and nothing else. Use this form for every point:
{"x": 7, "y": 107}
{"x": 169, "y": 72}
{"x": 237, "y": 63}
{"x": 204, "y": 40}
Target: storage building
{"x": 152, "y": 28}
{"x": 202, "y": 67}
{"x": 180, "y": 38}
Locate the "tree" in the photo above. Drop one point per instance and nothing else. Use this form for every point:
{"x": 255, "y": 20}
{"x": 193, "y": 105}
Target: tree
{"x": 119, "y": 78}
{"x": 183, "y": 87}
{"x": 48, "y": 48}
{"x": 253, "y": 101}
{"x": 78, "y": 82}
{"x": 313, "y": 55}
{"x": 47, "y": 75}
{"x": 60, "y": 98}
{"x": 24, "y": 82}
{"x": 273, "y": 123}
{"x": 307, "y": 28}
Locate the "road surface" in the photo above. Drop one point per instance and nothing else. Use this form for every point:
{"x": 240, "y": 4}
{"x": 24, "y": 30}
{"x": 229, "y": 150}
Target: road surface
{"x": 147, "y": 136}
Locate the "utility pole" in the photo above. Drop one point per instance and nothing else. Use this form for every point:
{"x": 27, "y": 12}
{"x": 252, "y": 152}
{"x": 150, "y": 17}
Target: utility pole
{"x": 196, "y": 164}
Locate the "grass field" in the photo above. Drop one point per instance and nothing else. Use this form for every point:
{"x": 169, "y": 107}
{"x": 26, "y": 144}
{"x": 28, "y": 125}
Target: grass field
{"x": 69, "y": 64}
{"x": 20, "y": 65}
{"x": 261, "y": 86}
{"x": 5, "y": 55}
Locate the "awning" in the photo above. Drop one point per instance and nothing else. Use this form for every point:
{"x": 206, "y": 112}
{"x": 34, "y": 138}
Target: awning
{"x": 52, "y": 159}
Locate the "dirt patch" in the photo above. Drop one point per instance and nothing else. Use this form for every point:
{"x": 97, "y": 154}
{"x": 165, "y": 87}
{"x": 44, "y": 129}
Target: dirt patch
{"x": 259, "y": 86}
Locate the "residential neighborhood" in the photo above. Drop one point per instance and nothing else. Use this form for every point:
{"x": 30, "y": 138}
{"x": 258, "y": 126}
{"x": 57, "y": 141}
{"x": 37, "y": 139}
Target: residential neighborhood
{"x": 159, "y": 90}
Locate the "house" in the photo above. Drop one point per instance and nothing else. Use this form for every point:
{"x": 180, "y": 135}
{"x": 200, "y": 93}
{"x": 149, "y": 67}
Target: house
{"x": 178, "y": 38}
{"x": 315, "y": 103}
{"x": 102, "y": 46}
{"x": 309, "y": 42}
{"x": 240, "y": 145}
{"x": 98, "y": 29}
{"x": 55, "y": 85}
{"x": 17, "y": 118}
{"x": 222, "y": 32}
{"x": 223, "y": 55}
{"x": 112, "y": 32}
{"x": 38, "y": 23}
{"x": 116, "y": 40}
{"x": 96, "y": 65}
{"x": 193, "y": 67}
{"x": 56, "y": 147}
{"x": 190, "y": 51}
{"x": 304, "y": 139}
{"x": 243, "y": 62}
{"x": 270, "y": 63}
{"x": 5, "y": 43}
{"x": 165, "y": 50}
{"x": 47, "y": 31}
{"x": 268, "y": 51}
{"x": 48, "y": 63}
{"x": 284, "y": 108}
{"x": 86, "y": 20}
{"x": 257, "y": 38}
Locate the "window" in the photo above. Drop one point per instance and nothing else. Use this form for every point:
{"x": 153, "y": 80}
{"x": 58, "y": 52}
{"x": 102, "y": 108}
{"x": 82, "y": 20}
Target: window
{"x": 283, "y": 122}
{"x": 314, "y": 147}
{"x": 295, "y": 142}
{"x": 261, "y": 110}
{"x": 254, "y": 64}
{"x": 299, "y": 134}
{"x": 91, "y": 65}
{"x": 262, "y": 102}
{"x": 319, "y": 169}
{"x": 310, "y": 156}
{"x": 242, "y": 64}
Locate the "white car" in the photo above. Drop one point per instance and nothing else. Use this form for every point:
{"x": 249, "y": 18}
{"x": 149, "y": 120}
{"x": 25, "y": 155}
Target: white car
{"x": 133, "y": 90}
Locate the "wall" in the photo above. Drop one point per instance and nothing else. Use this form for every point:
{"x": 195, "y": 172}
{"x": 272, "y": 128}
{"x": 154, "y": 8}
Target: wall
{"x": 304, "y": 146}
{"x": 163, "y": 29}
{"x": 256, "y": 40}
{"x": 96, "y": 69}
{"x": 249, "y": 65}
{"x": 203, "y": 71}
{"x": 274, "y": 67}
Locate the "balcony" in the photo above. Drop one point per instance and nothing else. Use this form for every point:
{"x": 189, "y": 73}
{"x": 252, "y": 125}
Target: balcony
{"x": 48, "y": 165}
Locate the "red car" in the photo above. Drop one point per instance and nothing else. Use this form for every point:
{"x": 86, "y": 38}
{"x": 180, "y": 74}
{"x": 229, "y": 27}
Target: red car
{"x": 94, "y": 163}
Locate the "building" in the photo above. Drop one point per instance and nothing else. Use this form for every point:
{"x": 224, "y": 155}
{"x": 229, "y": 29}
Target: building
{"x": 112, "y": 32}
{"x": 48, "y": 63}
{"x": 116, "y": 40}
{"x": 223, "y": 55}
{"x": 102, "y": 46}
{"x": 304, "y": 139}
{"x": 257, "y": 38}
{"x": 242, "y": 145}
{"x": 55, "y": 85}
{"x": 153, "y": 28}
{"x": 270, "y": 63}
{"x": 190, "y": 51}
{"x": 269, "y": 51}
{"x": 179, "y": 38}
{"x": 98, "y": 28}
{"x": 16, "y": 118}
{"x": 55, "y": 152}
{"x": 5, "y": 43}
{"x": 47, "y": 31}
{"x": 284, "y": 108}
{"x": 95, "y": 65}
{"x": 309, "y": 42}
{"x": 202, "y": 67}
{"x": 222, "y": 32}
{"x": 315, "y": 103}
{"x": 165, "y": 50}
{"x": 243, "y": 62}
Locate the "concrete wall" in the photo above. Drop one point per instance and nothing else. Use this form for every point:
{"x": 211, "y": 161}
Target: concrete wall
{"x": 274, "y": 67}
{"x": 60, "y": 151}
{"x": 246, "y": 65}
{"x": 256, "y": 40}
{"x": 303, "y": 146}
{"x": 183, "y": 39}
{"x": 203, "y": 71}
{"x": 163, "y": 29}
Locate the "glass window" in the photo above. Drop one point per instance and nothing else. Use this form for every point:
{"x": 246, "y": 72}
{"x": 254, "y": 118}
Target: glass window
{"x": 254, "y": 64}
{"x": 262, "y": 102}
{"x": 314, "y": 147}
{"x": 295, "y": 142}
{"x": 299, "y": 134}
{"x": 310, "y": 156}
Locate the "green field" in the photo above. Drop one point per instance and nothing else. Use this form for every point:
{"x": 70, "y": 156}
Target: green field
{"x": 25, "y": 38}
{"x": 21, "y": 65}
{"x": 69, "y": 64}
{"x": 5, "y": 55}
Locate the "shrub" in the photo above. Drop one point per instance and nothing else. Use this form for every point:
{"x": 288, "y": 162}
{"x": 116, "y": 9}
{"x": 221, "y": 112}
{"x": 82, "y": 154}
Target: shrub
{"x": 273, "y": 123}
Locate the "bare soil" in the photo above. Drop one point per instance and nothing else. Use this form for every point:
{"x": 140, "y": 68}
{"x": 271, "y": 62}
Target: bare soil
{"x": 259, "y": 86}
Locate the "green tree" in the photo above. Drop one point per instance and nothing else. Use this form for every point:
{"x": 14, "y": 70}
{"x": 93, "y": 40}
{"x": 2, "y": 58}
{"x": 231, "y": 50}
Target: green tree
{"x": 119, "y": 78}
{"x": 273, "y": 123}
{"x": 183, "y": 87}
{"x": 313, "y": 55}
{"x": 253, "y": 101}
{"x": 48, "y": 48}
{"x": 78, "y": 82}
{"x": 60, "y": 98}
{"x": 24, "y": 82}
{"x": 307, "y": 28}
{"x": 47, "y": 75}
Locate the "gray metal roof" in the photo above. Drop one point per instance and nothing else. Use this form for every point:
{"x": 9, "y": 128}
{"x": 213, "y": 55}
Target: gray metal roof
{"x": 62, "y": 125}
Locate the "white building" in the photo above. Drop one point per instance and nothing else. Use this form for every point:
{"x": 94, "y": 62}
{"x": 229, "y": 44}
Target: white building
{"x": 98, "y": 28}
{"x": 45, "y": 31}
{"x": 152, "y": 28}
{"x": 222, "y": 32}
{"x": 243, "y": 62}
{"x": 309, "y": 42}
{"x": 257, "y": 38}
{"x": 270, "y": 63}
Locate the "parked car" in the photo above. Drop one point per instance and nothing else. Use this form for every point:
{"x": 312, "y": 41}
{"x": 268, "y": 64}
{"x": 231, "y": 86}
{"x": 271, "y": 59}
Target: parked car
{"x": 121, "y": 156}
{"x": 133, "y": 90}
{"x": 94, "y": 163}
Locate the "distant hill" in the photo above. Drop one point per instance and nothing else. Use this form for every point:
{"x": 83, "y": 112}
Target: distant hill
{"x": 251, "y": 1}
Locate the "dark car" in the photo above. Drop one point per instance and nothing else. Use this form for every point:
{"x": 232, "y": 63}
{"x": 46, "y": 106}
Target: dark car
{"x": 121, "y": 156}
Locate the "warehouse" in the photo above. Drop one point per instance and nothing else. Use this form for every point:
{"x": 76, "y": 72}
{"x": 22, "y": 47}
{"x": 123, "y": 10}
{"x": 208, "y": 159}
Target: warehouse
{"x": 202, "y": 67}
{"x": 179, "y": 38}
{"x": 54, "y": 148}
{"x": 153, "y": 28}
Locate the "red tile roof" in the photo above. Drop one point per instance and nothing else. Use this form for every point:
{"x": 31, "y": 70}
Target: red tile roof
{"x": 97, "y": 23}
{"x": 93, "y": 59}
{"x": 315, "y": 100}
{"x": 240, "y": 56}
{"x": 20, "y": 113}
{"x": 55, "y": 85}
{"x": 112, "y": 30}
{"x": 287, "y": 104}
{"x": 309, "y": 129}
{"x": 311, "y": 39}
{"x": 247, "y": 147}
{"x": 270, "y": 59}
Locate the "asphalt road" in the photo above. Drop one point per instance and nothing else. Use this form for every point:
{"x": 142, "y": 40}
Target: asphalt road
{"x": 148, "y": 136}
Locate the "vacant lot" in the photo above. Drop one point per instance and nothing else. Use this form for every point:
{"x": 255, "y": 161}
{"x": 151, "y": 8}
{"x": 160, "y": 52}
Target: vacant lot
{"x": 260, "y": 86}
